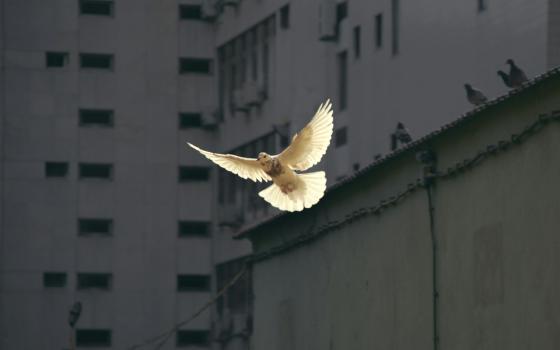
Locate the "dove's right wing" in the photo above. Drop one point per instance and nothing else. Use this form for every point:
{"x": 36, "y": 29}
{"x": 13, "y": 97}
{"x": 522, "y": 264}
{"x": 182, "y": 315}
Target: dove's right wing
{"x": 246, "y": 168}
{"x": 310, "y": 144}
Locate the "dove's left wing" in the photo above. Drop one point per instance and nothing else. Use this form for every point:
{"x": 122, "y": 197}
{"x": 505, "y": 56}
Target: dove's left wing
{"x": 246, "y": 168}
{"x": 310, "y": 144}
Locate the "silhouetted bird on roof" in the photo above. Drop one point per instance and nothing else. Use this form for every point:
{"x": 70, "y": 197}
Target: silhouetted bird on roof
{"x": 516, "y": 76}
{"x": 476, "y": 97}
{"x": 400, "y": 135}
{"x": 505, "y": 78}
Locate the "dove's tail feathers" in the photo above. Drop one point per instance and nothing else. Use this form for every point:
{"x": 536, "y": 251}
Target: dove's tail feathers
{"x": 310, "y": 188}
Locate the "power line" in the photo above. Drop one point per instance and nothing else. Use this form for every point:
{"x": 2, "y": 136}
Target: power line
{"x": 162, "y": 338}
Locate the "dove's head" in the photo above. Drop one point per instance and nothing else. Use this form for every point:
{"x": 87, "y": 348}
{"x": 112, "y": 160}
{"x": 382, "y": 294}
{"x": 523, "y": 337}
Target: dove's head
{"x": 264, "y": 158}
{"x": 510, "y": 62}
{"x": 468, "y": 87}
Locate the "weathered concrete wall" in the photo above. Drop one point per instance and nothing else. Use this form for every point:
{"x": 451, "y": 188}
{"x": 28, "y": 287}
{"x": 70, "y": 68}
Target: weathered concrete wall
{"x": 368, "y": 284}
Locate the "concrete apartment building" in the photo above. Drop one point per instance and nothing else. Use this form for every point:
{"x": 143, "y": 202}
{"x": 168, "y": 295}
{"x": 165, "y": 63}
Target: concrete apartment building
{"x": 102, "y": 203}
{"x": 98, "y": 98}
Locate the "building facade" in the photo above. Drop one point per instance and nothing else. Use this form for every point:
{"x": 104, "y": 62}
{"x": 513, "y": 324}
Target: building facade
{"x": 102, "y": 203}
{"x": 449, "y": 243}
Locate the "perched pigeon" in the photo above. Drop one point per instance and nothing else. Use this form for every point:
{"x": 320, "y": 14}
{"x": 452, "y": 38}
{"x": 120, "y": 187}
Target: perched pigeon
{"x": 290, "y": 191}
{"x": 516, "y": 76}
{"x": 505, "y": 78}
{"x": 476, "y": 97}
{"x": 74, "y": 314}
{"x": 400, "y": 135}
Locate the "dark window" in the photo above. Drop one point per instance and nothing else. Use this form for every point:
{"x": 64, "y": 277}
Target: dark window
{"x": 96, "y": 60}
{"x": 56, "y": 169}
{"x": 96, "y": 117}
{"x": 194, "y": 173}
{"x": 96, "y": 7}
{"x": 95, "y": 226}
{"x": 342, "y": 80}
{"x": 341, "y": 11}
{"x": 95, "y": 171}
{"x": 194, "y": 229}
{"x": 193, "y": 338}
{"x": 56, "y": 59}
{"x": 357, "y": 41}
{"x": 94, "y": 280}
{"x": 481, "y": 5}
{"x": 193, "y": 283}
{"x": 190, "y": 11}
{"x": 341, "y": 137}
{"x": 254, "y": 56}
{"x": 222, "y": 77}
{"x": 379, "y": 30}
{"x": 265, "y": 64}
{"x": 395, "y": 25}
{"x": 54, "y": 279}
{"x": 190, "y": 120}
{"x": 195, "y": 65}
{"x": 93, "y": 337}
{"x": 285, "y": 17}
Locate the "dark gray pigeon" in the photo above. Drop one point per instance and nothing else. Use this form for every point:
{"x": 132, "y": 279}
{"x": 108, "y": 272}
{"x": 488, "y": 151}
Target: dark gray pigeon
{"x": 516, "y": 76}
{"x": 74, "y": 314}
{"x": 505, "y": 78}
{"x": 400, "y": 135}
{"x": 476, "y": 97}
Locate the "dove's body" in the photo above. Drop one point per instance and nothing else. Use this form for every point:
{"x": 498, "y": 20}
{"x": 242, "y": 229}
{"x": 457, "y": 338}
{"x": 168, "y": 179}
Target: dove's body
{"x": 290, "y": 191}
{"x": 282, "y": 176}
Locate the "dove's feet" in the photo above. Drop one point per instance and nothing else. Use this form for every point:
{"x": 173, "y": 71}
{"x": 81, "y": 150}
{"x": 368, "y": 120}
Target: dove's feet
{"x": 287, "y": 188}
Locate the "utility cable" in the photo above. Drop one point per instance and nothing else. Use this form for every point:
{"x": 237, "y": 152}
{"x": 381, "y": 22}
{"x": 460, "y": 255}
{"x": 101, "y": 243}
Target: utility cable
{"x": 164, "y": 337}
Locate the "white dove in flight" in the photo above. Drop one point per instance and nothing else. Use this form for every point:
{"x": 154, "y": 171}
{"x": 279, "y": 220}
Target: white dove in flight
{"x": 290, "y": 191}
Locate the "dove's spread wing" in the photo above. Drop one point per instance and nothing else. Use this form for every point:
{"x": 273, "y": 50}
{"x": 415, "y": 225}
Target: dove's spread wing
{"x": 246, "y": 168}
{"x": 310, "y": 144}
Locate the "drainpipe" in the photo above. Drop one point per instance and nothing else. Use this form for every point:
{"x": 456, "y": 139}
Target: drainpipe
{"x": 428, "y": 159}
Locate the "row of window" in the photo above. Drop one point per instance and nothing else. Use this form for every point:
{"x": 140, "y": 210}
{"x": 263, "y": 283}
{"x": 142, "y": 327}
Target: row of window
{"x": 104, "y": 171}
{"x": 103, "y": 338}
{"x": 105, "y": 118}
{"x": 106, "y": 61}
{"x": 104, "y": 281}
{"x": 104, "y": 227}
{"x": 106, "y": 8}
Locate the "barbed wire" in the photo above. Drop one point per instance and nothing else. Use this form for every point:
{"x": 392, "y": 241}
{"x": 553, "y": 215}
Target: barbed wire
{"x": 460, "y": 167}
{"x": 162, "y": 338}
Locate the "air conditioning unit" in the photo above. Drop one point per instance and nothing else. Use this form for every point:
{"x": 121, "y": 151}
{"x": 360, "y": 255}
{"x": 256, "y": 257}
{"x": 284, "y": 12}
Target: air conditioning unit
{"x": 239, "y": 323}
{"x": 262, "y": 90}
{"x": 252, "y": 94}
{"x": 210, "y": 119}
{"x": 239, "y": 101}
{"x": 209, "y": 10}
{"x": 327, "y": 20}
